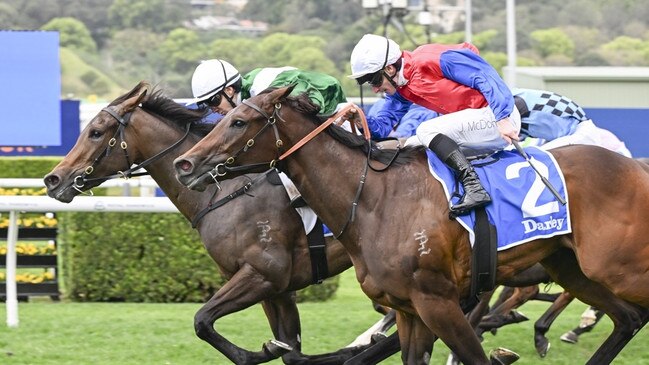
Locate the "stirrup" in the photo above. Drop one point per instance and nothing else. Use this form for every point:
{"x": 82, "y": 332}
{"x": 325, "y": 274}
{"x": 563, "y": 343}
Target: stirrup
{"x": 454, "y": 212}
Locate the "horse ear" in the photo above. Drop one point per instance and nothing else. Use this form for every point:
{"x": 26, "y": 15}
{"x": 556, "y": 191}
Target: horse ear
{"x": 281, "y": 93}
{"x": 140, "y": 96}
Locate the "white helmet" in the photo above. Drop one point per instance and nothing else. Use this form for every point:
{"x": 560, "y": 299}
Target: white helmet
{"x": 373, "y": 53}
{"x": 211, "y": 77}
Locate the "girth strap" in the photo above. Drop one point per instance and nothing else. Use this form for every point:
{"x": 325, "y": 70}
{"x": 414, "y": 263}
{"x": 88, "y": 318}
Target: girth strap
{"x": 318, "y": 253}
{"x": 483, "y": 257}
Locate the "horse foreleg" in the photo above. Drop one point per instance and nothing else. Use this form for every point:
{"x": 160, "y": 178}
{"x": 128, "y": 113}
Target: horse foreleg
{"x": 243, "y": 290}
{"x": 416, "y": 339}
{"x": 542, "y": 325}
{"x": 444, "y": 318}
{"x": 627, "y": 318}
{"x": 474, "y": 317}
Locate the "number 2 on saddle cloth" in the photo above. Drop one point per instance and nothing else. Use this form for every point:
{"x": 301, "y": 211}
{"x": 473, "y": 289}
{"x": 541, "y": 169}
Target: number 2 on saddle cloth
{"x": 522, "y": 208}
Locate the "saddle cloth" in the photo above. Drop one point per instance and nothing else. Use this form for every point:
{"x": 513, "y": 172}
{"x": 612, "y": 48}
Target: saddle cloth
{"x": 522, "y": 208}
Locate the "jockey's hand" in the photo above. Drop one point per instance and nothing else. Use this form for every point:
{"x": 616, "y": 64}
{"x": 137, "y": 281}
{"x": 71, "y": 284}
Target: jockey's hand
{"x": 352, "y": 117}
{"x": 507, "y": 130}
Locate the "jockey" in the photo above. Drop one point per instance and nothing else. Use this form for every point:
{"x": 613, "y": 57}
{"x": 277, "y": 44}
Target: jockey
{"x": 219, "y": 85}
{"x": 558, "y": 121}
{"x": 477, "y": 107}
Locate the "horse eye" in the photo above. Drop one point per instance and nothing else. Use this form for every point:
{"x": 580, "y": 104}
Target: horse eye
{"x": 238, "y": 123}
{"x": 95, "y": 134}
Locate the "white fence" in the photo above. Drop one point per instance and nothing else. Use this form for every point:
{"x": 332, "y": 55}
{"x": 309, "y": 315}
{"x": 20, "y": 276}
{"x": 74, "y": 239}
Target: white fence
{"x": 17, "y": 204}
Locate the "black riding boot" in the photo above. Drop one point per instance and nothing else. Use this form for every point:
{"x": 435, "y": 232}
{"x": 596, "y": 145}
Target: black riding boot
{"x": 474, "y": 194}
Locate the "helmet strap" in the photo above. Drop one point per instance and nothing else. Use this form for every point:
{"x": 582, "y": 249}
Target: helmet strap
{"x": 229, "y": 99}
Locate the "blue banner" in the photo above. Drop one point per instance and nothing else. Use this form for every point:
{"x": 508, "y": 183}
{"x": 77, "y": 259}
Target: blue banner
{"x": 30, "y": 91}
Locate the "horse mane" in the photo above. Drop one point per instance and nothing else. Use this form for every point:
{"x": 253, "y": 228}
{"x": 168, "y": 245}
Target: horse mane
{"x": 168, "y": 110}
{"x": 303, "y": 104}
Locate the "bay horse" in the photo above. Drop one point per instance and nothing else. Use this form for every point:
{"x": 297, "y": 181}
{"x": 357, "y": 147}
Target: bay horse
{"x": 380, "y": 217}
{"x": 261, "y": 264}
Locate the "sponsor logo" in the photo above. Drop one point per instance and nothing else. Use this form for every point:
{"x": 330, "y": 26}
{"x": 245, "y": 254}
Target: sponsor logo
{"x": 551, "y": 224}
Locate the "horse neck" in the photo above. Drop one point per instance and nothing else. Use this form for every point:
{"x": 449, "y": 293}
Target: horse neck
{"x": 328, "y": 175}
{"x": 153, "y": 138}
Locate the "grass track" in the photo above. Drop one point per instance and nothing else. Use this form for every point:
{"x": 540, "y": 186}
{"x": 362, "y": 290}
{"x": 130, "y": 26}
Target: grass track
{"x": 69, "y": 333}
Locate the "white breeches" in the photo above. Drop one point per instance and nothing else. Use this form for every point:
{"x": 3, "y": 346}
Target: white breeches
{"x": 474, "y": 130}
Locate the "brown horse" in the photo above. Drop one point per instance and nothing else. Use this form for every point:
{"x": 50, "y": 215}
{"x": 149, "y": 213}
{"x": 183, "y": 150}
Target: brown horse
{"x": 388, "y": 218}
{"x": 261, "y": 264}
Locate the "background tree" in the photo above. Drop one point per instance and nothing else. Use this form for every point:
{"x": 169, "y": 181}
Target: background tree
{"x": 181, "y": 50}
{"x": 153, "y": 15}
{"x": 625, "y": 51}
{"x": 73, "y": 34}
{"x": 131, "y": 56}
{"x": 552, "y": 42}
{"x": 133, "y": 42}
{"x": 9, "y": 17}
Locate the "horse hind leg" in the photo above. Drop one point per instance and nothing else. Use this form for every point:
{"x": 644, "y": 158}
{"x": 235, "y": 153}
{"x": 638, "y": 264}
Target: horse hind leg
{"x": 542, "y": 325}
{"x": 627, "y": 318}
{"x": 243, "y": 290}
{"x": 589, "y": 319}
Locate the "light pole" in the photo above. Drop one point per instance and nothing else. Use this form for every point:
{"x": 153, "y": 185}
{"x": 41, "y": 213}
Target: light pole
{"x": 398, "y": 8}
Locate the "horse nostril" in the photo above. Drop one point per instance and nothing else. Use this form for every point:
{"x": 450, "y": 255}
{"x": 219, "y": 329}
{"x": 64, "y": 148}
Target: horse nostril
{"x": 52, "y": 180}
{"x": 184, "y": 165}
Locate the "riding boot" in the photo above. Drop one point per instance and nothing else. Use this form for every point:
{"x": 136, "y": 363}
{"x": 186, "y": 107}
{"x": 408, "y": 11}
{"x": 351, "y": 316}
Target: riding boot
{"x": 474, "y": 194}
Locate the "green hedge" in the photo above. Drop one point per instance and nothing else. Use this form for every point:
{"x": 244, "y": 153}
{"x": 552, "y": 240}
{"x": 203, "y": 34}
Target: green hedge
{"x": 134, "y": 257}
{"x": 26, "y": 167}
{"x": 138, "y": 257}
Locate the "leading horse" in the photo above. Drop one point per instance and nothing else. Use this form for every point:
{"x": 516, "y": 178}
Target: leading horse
{"x": 407, "y": 253}
{"x": 261, "y": 264}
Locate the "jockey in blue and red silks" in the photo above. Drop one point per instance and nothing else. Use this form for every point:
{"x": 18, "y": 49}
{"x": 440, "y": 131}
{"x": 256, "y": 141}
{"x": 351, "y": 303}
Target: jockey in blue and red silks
{"x": 477, "y": 107}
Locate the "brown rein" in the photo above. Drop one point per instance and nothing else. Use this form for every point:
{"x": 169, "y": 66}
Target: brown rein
{"x": 336, "y": 118}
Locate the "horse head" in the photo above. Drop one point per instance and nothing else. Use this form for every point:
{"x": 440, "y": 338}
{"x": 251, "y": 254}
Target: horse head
{"x": 248, "y": 139}
{"x": 127, "y": 131}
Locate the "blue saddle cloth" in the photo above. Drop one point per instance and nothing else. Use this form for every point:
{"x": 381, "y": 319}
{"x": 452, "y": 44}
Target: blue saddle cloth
{"x": 522, "y": 208}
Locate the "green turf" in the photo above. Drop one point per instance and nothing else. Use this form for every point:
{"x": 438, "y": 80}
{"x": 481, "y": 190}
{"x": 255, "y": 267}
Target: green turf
{"x": 67, "y": 333}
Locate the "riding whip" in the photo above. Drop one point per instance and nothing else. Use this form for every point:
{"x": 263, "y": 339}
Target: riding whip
{"x": 545, "y": 180}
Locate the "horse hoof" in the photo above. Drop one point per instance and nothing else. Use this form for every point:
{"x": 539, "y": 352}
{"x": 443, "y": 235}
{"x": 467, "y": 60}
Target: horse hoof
{"x": 377, "y": 337}
{"x": 543, "y": 348}
{"x": 569, "y": 337}
{"x": 503, "y": 356}
{"x": 277, "y": 348}
{"x": 518, "y": 317}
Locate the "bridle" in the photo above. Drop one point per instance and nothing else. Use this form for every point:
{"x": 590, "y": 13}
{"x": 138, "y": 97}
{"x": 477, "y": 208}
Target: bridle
{"x": 80, "y": 181}
{"x": 223, "y": 168}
